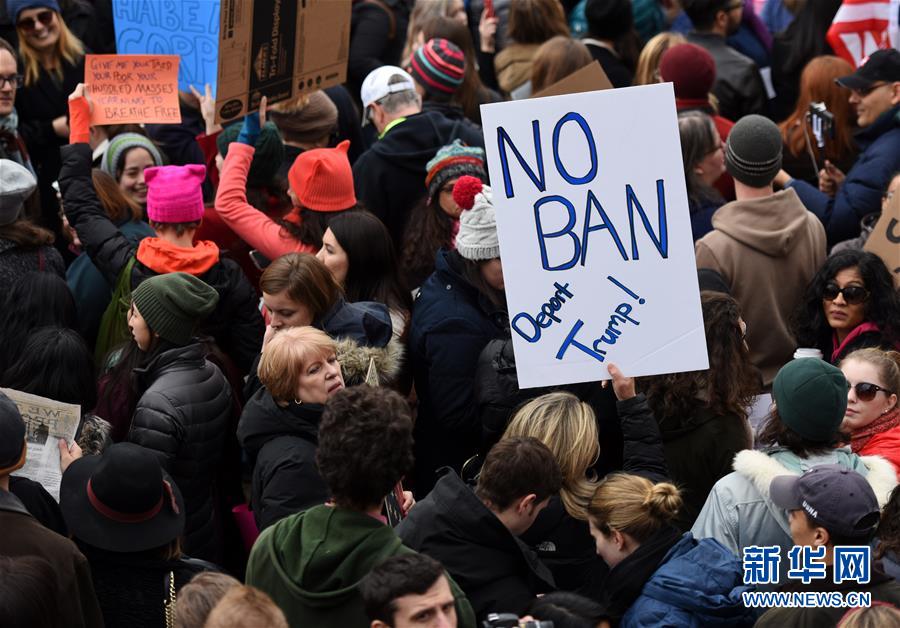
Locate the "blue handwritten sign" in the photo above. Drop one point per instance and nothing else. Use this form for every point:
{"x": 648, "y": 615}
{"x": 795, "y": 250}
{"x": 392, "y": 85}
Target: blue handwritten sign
{"x": 595, "y": 236}
{"x": 187, "y": 28}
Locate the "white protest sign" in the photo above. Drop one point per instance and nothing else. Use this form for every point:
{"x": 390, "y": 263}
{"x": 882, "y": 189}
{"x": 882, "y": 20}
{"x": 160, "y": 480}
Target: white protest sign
{"x": 595, "y": 235}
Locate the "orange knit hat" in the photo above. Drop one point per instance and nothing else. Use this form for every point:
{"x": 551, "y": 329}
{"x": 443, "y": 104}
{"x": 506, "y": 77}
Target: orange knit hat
{"x": 322, "y": 179}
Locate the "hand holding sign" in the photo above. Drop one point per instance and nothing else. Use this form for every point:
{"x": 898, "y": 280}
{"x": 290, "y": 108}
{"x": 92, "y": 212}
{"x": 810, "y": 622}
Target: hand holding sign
{"x": 133, "y": 88}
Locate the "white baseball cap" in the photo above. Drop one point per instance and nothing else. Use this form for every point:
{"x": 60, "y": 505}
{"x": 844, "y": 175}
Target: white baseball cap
{"x": 376, "y": 87}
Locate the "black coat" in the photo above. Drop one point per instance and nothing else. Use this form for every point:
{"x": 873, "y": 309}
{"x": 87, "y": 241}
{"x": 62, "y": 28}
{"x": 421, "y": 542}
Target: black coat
{"x": 451, "y": 324}
{"x": 182, "y": 417}
{"x": 235, "y": 324}
{"x": 700, "y": 449}
{"x": 496, "y": 571}
{"x": 38, "y": 105}
{"x": 16, "y": 261}
{"x": 377, "y": 37}
{"x": 281, "y": 444}
{"x": 390, "y": 176}
{"x": 563, "y": 542}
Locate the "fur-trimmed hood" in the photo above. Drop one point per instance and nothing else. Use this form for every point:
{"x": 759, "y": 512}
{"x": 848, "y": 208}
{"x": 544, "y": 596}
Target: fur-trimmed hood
{"x": 761, "y": 467}
{"x": 355, "y": 360}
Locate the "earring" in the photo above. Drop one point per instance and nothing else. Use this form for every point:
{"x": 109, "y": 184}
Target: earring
{"x": 298, "y": 402}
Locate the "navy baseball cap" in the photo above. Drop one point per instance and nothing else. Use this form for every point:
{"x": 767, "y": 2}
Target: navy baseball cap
{"x": 838, "y": 499}
{"x": 882, "y": 65}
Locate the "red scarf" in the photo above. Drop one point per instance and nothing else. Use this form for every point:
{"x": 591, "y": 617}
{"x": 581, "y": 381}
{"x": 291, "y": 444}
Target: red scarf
{"x": 885, "y": 422}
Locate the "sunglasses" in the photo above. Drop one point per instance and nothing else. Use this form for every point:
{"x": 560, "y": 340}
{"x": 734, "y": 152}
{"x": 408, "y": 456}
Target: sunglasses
{"x": 862, "y": 92}
{"x": 30, "y": 23}
{"x": 853, "y": 295}
{"x": 866, "y": 391}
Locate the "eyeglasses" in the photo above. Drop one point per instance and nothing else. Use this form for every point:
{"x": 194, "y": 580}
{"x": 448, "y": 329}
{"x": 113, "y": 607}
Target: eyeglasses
{"x": 13, "y": 80}
{"x": 28, "y": 24}
{"x": 866, "y": 391}
{"x": 853, "y": 295}
{"x": 865, "y": 91}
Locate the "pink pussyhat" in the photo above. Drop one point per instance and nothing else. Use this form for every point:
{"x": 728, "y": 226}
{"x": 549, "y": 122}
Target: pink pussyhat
{"x": 174, "y": 193}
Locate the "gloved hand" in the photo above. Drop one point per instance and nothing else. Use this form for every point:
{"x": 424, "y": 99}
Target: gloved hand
{"x": 250, "y": 130}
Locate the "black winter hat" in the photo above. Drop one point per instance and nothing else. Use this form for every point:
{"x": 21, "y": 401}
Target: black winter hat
{"x": 12, "y": 435}
{"x": 753, "y": 151}
{"x": 121, "y": 501}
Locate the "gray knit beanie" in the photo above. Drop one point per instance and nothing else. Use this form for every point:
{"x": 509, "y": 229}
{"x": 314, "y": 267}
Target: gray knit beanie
{"x": 119, "y": 147}
{"x": 173, "y": 304}
{"x": 477, "y": 238}
{"x": 753, "y": 151}
{"x": 16, "y": 185}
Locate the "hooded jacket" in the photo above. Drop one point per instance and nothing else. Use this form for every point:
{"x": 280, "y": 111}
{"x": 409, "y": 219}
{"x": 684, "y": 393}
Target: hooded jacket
{"x": 767, "y": 250}
{"x": 497, "y": 571}
{"x": 390, "y": 176}
{"x": 697, "y": 584}
{"x": 739, "y": 512}
{"x": 235, "y": 324}
{"x": 182, "y": 417}
{"x": 281, "y": 444}
{"x": 451, "y": 325}
{"x": 861, "y": 191}
{"x": 311, "y": 563}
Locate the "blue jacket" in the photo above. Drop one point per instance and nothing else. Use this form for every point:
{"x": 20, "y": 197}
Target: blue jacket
{"x": 451, "y": 324}
{"x": 862, "y": 190}
{"x": 699, "y": 583}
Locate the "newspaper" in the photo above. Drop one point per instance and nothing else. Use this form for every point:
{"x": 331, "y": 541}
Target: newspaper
{"x": 46, "y": 421}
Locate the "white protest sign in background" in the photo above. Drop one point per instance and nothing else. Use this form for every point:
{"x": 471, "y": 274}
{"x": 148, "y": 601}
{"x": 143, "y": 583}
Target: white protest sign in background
{"x": 595, "y": 235}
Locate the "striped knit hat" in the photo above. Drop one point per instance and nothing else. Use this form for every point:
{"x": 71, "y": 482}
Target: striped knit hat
{"x": 753, "y": 151}
{"x": 452, "y": 162}
{"x": 439, "y": 66}
{"x": 121, "y": 144}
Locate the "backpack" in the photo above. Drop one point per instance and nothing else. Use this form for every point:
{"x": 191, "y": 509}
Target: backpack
{"x": 113, "y": 329}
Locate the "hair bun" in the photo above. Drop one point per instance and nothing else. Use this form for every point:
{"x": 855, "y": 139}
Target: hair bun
{"x": 465, "y": 189}
{"x": 664, "y": 500}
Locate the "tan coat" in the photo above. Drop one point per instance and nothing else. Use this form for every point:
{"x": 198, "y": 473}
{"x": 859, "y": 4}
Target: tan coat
{"x": 767, "y": 250}
{"x": 513, "y": 65}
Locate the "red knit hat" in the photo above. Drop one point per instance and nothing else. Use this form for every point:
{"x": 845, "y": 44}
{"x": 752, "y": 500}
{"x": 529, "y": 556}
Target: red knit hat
{"x": 322, "y": 179}
{"x": 692, "y": 70}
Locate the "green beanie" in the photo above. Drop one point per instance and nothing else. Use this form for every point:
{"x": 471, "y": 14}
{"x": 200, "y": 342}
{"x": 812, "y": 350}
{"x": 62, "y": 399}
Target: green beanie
{"x": 269, "y": 153}
{"x": 173, "y": 304}
{"x": 811, "y": 398}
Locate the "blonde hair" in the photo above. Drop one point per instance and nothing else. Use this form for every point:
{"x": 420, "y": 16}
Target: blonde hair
{"x": 875, "y": 616}
{"x": 246, "y": 607}
{"x": 633, "y": 505}
{"x": 285, "y": 355}
{"x": 198, "y": 597}
{"x": 68, "y": 46}
{"x": 647, "y": 72}
{"x": 887, "y": 363}
{"x": 568, "y": 427}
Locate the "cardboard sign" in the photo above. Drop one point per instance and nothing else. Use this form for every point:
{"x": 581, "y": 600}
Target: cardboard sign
{"x": 595, "y": 235}
{"x": 133, "y": 88}
{"x": 885, "y": 238}
{"x": 279, "y": 49}
{"x": 590, "y": 78}
{"x": 187, "y": 28}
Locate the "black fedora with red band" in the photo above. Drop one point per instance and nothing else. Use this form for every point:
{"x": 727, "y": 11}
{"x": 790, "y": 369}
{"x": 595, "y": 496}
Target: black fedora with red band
{"x": 121, "y": 501}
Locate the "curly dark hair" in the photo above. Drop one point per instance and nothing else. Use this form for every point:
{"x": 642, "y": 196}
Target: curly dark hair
{"x": 889, "y": 528}
{"x": 365, "y": 445}
{"x": 775, "y": 432}
{"x": 429, "y": 229}
{"x": 810, "y": 326}
{"x": 728, "y": 385}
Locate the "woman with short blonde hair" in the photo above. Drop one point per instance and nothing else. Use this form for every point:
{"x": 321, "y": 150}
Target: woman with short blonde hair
{"x": 279, "y": 427}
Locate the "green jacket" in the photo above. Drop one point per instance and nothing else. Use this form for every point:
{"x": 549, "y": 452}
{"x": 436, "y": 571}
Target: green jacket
{"x": 310, "y": 564}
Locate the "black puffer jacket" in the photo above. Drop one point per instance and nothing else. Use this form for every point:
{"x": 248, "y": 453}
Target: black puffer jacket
{"x": 281, "y": 444}
{"x": 235, "y": 324}
{"x": 182, "y": 417}
{"x": 15, "y": 261}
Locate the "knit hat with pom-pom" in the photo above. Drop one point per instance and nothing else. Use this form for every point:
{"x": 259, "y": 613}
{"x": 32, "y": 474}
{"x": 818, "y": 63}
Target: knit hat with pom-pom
{"x": 477, "y": 238}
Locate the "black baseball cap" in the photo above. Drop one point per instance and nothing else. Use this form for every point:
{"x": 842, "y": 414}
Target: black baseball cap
{"x": 882, "y": 65}
{"x": 838, "y": 499}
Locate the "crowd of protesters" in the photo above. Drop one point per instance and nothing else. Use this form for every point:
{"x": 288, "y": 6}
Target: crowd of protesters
{"x": 290, "y": 344}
